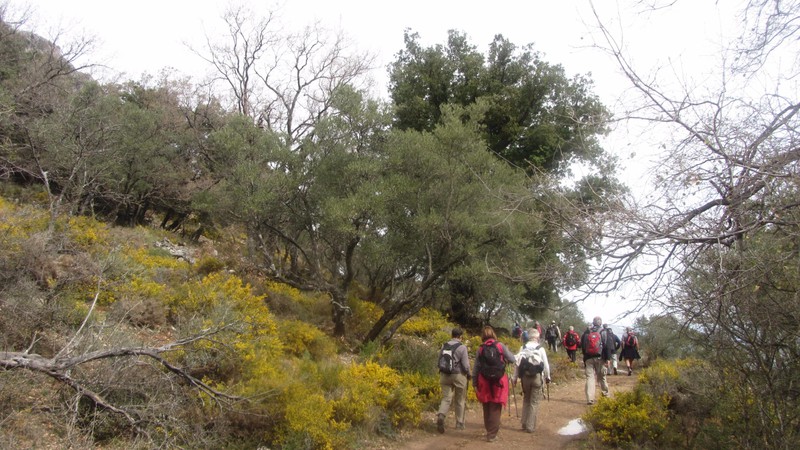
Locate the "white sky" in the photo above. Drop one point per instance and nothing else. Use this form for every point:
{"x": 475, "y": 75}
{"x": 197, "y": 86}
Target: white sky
{"x": 145, "y": 36}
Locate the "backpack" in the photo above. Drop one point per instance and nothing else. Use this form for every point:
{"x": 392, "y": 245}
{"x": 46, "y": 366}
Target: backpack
{"x": 447, "y": 362}
{"x": 594, "y": 343}
{"x": 493, "y": 364}
{"x": 572, "y": 339}
{"x": 630, "y": 341}
{"x": 551, "y": 332}
{"x": 532, "y": 364}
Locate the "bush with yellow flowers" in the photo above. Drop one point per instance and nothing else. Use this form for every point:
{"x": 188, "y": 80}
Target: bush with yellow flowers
{"x": 371, "y": 393}
{"x": 426, "y": 322}
{"x": 300, "y": 338}
{"x": 629, "y": 419}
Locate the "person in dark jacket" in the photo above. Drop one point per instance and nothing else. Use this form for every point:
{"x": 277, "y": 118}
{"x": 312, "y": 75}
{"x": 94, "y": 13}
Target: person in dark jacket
{"x": 454, "y": 385}
{"x": 630, "y": 349}
{"x": 493, "y": 395}
{"x": 613, "y": 345}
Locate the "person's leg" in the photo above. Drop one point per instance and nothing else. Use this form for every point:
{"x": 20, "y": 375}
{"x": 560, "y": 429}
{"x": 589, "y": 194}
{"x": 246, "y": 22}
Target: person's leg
{"x": 590, "y": 379}
{"x": 460, "y": 387}
{"x": 526, "y": 401}
{"x": 614, "y": 362}
{"x": 532, "y": 402}
{"x": 493, "y": 423}
{"x": 603, "y": 371}
{"x": 446, "y": 381}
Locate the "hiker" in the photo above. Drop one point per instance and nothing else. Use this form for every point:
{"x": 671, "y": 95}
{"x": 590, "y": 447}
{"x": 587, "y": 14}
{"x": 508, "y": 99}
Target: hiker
{"x": 552, "y": 336}
{"x": 516, "y": 332}
{"x": 490, "y": 380}
{"x": 523, "y": 337}
{"x": 538, "y": 327}
{"x": 453, "y": 377}
{"x": 630, "y": 349}
{"x": 571, "y": 341}
{"x": 534, "y": 370}
{"x": 593, "y": 359}
{"x": 613, "y": 345}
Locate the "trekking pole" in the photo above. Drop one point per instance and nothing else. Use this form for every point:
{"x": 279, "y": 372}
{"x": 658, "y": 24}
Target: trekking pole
{"x": 548, "y": 391}
{"x": 516, "y": 410}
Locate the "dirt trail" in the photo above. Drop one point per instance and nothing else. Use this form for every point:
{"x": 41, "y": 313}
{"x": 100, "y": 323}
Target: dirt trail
{"x": 567, "y": 403}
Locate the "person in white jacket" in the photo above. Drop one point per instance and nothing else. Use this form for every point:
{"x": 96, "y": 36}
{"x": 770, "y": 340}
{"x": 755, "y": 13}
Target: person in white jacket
{"x": 533, "y": 369}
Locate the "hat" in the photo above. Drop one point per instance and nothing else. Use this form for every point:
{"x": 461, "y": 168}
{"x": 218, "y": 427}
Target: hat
{"x": 553, "y": 321}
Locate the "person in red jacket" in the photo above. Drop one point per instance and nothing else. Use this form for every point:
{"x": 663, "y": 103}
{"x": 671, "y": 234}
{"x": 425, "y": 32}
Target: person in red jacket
{"x": 571, "y": 341}
{"x": 490, "y": 380}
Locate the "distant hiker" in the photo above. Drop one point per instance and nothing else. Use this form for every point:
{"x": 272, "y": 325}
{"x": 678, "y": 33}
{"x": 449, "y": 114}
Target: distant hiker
{"x": 454, "y": 374}
{"x": 534, "y": 370}
{"x": 613, "y": 345}
{"x": 630, "y": 349}
{"x": 538, "y": 327}
{"x": 490, "y": 380}
{"x": 571, "y": 341}
{"x": 524, "y": 337}
{"x": 593, "y": 358}
{"x": 516, "y": 332}
{"x": 552, "y": 336}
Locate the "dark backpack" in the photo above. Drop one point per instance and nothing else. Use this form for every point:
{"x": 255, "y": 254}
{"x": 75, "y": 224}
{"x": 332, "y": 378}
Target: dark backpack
{"x": 551, "y": 332}
{"x": 531, "y": 365}
{"x": 572, "y": 339}
{"x": 447, "y": 361}
{"x": 492, "y": 362}
{"x": 594, "y": 343}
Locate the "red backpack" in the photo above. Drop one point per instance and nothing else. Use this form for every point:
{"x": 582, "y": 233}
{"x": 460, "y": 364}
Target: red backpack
{"x": 594, "y": 343}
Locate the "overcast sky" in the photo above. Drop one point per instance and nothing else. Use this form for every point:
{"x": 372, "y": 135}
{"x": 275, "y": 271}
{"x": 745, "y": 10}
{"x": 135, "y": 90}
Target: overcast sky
{"x": 145, "y": 36}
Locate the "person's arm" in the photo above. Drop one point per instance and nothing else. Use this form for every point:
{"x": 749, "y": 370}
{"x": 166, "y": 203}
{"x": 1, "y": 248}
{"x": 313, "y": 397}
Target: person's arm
{"x": 510, "y": 359}
{"x": 546, "y": 364}
{"x": 463, "y": 359}
{"x": 476, "y": 368}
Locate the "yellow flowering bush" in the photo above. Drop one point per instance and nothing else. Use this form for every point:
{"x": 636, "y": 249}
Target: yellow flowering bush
{"x": 426, "y": 322}
{"x": 363, "y": 315}
{"x": 629, "y": 418}
{"x": 300, "y": 337}
{"x": 370, "y": 390}
{"x": 310, "y": 419}
{"x": 86, "y": 232}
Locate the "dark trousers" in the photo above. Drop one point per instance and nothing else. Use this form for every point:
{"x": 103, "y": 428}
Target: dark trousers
{"x": 492, "y": 413}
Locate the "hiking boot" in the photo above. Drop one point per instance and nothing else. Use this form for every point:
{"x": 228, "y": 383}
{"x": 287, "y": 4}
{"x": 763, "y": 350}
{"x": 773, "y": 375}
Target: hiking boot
{"x": 459, "y": 426}
{"x": 630, "y": 371}
{"x": 440, "y": 423}
{"x": 590, "y": 402}
{"x": 615, "y": 370}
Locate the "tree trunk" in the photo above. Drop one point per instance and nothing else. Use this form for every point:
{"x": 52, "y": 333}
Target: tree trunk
{"x": 339, "y": 313}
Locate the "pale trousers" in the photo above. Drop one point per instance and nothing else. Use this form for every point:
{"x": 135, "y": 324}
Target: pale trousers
{"x": 531, "y": 393}
{"x": 453, "y": 385}
{"x": 595, "y": 368}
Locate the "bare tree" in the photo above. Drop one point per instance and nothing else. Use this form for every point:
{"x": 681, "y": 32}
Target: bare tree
{"x": 283, "y": 81}
{"x": 234, "y": 60}
{"x": 714, "y": 245}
